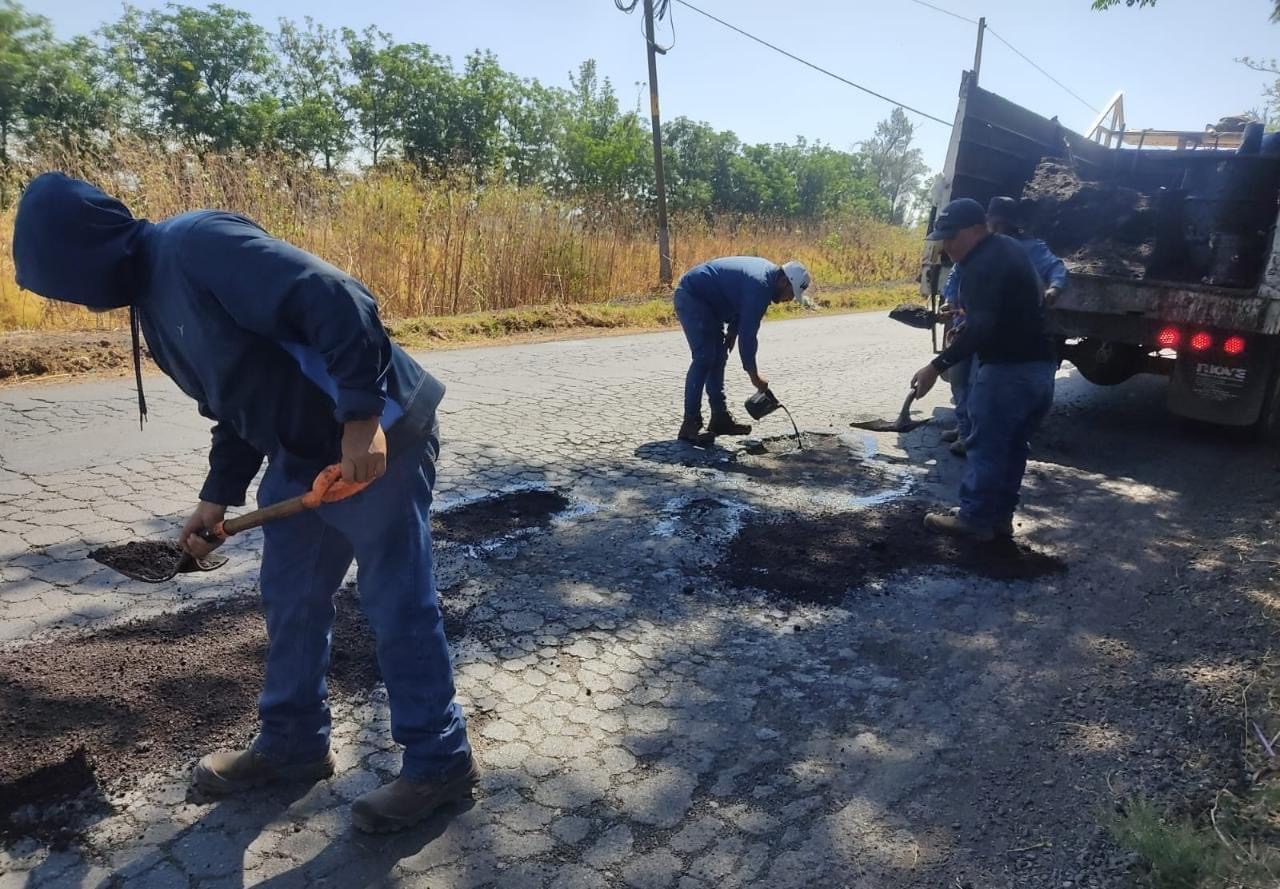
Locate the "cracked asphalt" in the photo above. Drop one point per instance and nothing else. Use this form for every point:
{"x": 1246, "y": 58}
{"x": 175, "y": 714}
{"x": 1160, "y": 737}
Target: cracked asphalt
{"x": 641, "y": 723}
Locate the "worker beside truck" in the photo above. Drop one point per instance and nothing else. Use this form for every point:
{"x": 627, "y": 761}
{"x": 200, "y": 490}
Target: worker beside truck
{"x": 288, "y": 356}
{"x": 1002, "y": 219}
{"x": 718, "y": 303}
{"x": 1011, "y": 388}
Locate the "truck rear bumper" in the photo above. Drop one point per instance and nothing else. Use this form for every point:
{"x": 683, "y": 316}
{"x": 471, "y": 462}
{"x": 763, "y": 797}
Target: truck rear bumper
{"x": 1125, "y": 305}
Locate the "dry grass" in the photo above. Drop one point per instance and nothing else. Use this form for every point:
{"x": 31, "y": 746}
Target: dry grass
{"x": 431, "y": 249}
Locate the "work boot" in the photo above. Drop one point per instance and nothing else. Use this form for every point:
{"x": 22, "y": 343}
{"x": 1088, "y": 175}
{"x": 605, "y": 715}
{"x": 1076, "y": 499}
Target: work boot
{"x": 1001, "y": 529}
{"x": 232, "y": 771}
{"x": 957, "y": 526}
{"x": 404, "y": 802}
{"x": 690, "y": 429}
{"x": 959, "y": 448}
{"x": 725, "y": 424}
{"x": 951, "y": 435}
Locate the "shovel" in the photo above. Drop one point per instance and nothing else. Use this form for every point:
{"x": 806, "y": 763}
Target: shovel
{"x": 903, "y": 423}
{"x": 154, "y": 562}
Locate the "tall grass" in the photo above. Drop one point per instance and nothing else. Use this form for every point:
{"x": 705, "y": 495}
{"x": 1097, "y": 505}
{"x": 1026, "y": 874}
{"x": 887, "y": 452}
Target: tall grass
{"x": 431, "y": 248}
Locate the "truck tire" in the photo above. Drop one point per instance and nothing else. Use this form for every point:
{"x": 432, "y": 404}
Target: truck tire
{"x": 1105, "y": 363}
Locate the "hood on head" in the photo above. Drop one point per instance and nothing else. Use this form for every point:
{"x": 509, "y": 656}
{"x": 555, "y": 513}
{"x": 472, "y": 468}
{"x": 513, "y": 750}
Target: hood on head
{"x": 73, "y": 243}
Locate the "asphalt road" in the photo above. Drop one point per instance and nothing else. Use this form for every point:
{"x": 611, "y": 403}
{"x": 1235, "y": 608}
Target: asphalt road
{"x": 645, "y": 724}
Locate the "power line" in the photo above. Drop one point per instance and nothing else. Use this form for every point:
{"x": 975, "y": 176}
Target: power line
{"x": 1027, "y": 59}
{"x": 819, "y": 68}
{"x": 954, "y": 15}
{"x": 1020, "y": 53}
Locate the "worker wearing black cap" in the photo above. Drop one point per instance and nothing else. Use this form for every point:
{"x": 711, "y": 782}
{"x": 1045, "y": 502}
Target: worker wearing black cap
{"x": 1002, "y": 219}
{"x": 1012, "y": 385}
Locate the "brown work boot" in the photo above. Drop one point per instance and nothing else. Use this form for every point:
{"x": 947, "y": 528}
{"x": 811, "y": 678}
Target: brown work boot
{"x": 690, "y": 429}
{"x": 403, "y": 802}
{"x": 957, "y": 526}
{"x": 232, "y": 771}
{"x": 1001, "y": 529}
{"x": 725, "y": 424}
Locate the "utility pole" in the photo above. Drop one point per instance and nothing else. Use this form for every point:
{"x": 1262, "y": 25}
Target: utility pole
{"x": 977, "y": 53}
{"x": 660, "y": 182}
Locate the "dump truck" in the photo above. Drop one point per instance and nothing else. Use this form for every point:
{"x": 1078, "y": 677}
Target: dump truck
{"x": 1169, "y": 238}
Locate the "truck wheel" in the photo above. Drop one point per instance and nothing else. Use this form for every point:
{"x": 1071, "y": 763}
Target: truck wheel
{"x": 1103, "y": 363}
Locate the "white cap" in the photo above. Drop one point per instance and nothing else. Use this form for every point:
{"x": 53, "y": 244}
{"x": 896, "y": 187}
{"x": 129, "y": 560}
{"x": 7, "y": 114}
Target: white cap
{"x": 798, "y": 275}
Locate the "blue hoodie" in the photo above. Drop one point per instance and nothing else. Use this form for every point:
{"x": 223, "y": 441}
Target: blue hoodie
{"x": 276, "y": 346}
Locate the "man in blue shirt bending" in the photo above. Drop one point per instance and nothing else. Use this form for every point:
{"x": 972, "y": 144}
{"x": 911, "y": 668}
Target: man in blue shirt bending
{"x": 718, "y": 302}
{"x": 287, "y": 355}
{"x": 1002, "y": 219}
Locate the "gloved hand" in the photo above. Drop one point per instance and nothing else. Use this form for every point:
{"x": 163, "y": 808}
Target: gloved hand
{"x": 1051, "y": 295}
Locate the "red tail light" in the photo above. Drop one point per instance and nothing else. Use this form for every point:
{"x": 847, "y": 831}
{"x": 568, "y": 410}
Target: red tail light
{"x": 1169, "y": 338}
{"x": 1233, "y": 345}
{"x": 1201, "y": 342}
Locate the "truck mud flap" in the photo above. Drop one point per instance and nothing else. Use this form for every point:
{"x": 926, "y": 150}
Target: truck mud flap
{"x": 1217, "y": 388}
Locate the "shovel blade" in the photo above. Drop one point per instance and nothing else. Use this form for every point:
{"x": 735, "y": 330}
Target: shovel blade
{"x": 903, "y": 423}
{"x": 153, "y": 561}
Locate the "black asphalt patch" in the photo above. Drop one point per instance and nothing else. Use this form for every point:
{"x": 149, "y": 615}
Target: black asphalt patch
{"x": 819, "y": 559}
{"x": 497, "y": 516}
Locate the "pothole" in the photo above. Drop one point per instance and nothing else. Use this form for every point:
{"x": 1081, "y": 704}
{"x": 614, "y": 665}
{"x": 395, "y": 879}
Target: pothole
{"x": 83, "y": 713}
{"x": 501, "y": 515}
{"x": 818, "y": 559}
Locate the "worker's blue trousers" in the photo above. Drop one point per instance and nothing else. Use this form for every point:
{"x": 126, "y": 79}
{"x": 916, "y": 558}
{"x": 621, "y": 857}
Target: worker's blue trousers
{"x": 958, "y": 376}
{"x": 705, "y": 334}
{"x": 387, "y": 530}
{"x": 1006, "y": 404}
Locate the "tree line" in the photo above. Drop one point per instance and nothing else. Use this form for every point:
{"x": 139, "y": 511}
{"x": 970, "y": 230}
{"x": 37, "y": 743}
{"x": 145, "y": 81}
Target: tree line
{"x": 214, "y": 80}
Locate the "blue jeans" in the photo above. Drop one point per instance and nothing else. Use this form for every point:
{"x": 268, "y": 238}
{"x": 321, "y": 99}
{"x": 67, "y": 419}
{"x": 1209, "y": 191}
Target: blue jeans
{"x": 958, "y": 376}
{"x": 705, "y": 334}
{"x": 387, "y": 531}
{"x": 1006, "y": 404}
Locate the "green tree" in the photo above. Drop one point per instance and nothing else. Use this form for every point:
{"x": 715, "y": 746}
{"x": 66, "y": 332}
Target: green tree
{"x": 1107, "y": 4}
{"x": 26, "y": 47}
{"x": 536, "y": 118}
{"x": 606, "y": 151}
{"x": 202, "y": 73}
{"x": 894, "y": 165}
{"x": 376, "y": 91}
{"x": 428, "y": 94}
{"x": 70, "y": 98}
{"x": 314, "y": 119}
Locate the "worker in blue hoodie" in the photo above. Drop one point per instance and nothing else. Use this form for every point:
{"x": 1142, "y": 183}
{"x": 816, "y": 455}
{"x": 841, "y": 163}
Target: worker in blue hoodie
{"x": 1002, "y": 219}
{"x": 287, "y": 355}
{"x": 721, "y": 302}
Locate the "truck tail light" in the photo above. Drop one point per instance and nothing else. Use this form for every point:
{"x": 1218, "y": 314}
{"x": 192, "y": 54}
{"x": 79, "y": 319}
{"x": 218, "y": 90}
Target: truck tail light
{"x": 1233, "y": 345}
{"x": 1169, "y": 338}
{"x": 1201, "y": 342}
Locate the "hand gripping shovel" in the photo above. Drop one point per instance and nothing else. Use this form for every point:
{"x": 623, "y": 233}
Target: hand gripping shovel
{"x": 156, "y": 562}
{"x": 903, "y": 423}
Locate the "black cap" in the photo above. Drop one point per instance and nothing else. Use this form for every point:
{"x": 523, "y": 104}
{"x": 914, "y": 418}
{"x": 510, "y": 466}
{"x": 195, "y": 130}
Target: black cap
{"x": 1003, "y": 207}
{"x": 959, "y": 214}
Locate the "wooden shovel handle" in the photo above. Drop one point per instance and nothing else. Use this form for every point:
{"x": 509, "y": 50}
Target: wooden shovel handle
{"x": 327, "y": 488}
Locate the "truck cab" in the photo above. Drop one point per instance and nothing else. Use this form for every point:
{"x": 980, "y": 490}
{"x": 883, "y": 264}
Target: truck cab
{"x": 1172, "y": 251}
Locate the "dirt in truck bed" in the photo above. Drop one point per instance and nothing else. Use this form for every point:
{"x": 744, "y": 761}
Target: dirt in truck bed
{"x": 1097, "y": 228}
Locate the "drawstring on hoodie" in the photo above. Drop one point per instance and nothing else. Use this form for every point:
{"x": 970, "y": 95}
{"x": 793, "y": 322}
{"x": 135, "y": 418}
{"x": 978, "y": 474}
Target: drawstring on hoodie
{"x": 134, "y": 327}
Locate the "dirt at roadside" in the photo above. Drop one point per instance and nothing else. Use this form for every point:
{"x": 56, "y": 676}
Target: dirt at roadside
{"x": 33, "y": 355}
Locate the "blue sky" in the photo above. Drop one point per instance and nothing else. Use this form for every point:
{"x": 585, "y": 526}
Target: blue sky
{"x": 1175, "y": 62}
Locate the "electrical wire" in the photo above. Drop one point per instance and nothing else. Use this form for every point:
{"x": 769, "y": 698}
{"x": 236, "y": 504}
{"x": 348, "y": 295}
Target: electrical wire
{"x": 818, "y": 68}
{"x": 1020, "y": 53}
{"x": 1027, "y": 59}
{"x": 954, "y": 15}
